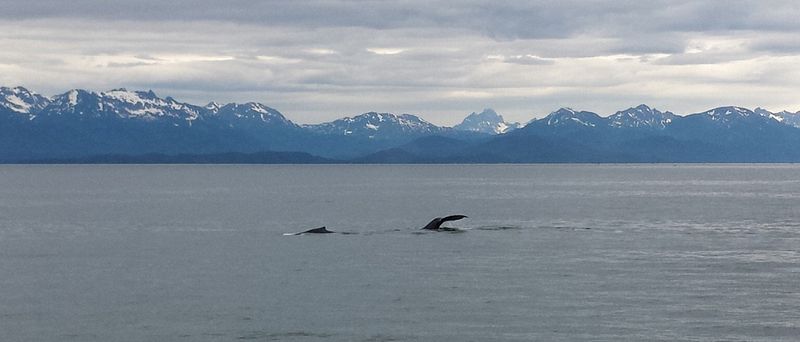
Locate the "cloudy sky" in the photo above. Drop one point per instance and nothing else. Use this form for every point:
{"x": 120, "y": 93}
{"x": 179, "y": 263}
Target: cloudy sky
{"x": 319, "y": 60}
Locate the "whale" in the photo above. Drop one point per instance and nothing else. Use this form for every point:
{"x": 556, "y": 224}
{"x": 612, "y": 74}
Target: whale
{"x": 436, "y": 223}
{"x": 320, "y": 230}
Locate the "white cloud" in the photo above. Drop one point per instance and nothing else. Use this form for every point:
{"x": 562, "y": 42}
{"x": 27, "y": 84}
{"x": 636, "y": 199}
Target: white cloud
{"x": 321, "y": 51}
{"x": 189, "y": 58}
{"x": 278, "y": 60}
{"x": 386, "y": 51}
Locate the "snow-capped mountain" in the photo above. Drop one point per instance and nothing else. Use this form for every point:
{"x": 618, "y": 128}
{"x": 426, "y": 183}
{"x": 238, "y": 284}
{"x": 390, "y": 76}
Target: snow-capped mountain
{"x": 22, "y": 101}
{"x": 146, "y": 106}
{"x": 727, "y": 115}
{"x": 640, "y": 117}
{"x": 377, "y": 125}
{"x": 250, "y": 113}
{"x": 786, "y": 117}
{"x": 82, "y": 123}
{"x": 76, "y": 103}
{"x": 120, "y": 104}
{"x": 569, "y": 117}
{"x": 487, "y": 121}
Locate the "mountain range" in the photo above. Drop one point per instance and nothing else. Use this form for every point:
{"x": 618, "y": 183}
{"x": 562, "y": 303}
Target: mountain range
{"x": 138, "y": 126}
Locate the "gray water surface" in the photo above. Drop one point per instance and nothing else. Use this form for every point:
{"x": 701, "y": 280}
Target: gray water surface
{"x": 548, "y": 253}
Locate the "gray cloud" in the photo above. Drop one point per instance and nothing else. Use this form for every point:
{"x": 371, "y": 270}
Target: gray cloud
{"x": 317, "y": 60}
{"x": 507, "y": 20}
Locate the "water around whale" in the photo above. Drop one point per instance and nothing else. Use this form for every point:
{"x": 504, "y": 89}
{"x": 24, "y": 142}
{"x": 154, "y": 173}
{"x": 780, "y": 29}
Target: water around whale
{"x": 550, "y": 252}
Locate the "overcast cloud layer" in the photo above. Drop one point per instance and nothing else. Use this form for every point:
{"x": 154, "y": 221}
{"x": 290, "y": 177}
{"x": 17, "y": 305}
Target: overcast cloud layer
{"x": 320, "y": 60}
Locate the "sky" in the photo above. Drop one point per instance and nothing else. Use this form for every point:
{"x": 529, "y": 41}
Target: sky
{"x": 320, "y": 60}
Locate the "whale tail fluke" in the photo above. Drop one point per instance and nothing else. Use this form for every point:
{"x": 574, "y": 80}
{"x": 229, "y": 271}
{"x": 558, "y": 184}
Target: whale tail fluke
{"x": 453, "y": 218}
{"x": 436, "y": 224}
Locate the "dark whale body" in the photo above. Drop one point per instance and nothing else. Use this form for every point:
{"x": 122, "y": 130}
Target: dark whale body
{"x": 320, "y": 230}
{"x": 436, "y": 224}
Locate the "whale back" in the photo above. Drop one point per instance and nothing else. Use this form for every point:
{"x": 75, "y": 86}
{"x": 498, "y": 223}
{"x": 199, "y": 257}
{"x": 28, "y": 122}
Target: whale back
{"x": 320, "y": 230}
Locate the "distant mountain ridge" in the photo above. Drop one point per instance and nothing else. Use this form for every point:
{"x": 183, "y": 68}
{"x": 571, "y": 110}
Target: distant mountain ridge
{"x": 377, "y": 125}
{"x": 724, "y": 134}
{"x": 789, "y": 118}
{"x": 81, "y": 123}
{"x": 86, "y": 125}
{"x": 642, "y": 116}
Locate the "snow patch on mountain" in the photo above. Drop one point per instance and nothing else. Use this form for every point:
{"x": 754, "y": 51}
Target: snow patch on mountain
{"x": 22, "y": 101}
{"x": 72, "y": 97}
{"x": 18, "y": 105}
{"x": 726, "y": 114}
{"x": 213, "y": 106}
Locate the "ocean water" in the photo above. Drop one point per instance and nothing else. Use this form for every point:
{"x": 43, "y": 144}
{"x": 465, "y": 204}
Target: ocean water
{"x": 548, "y": 253}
